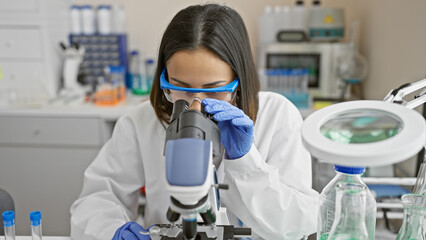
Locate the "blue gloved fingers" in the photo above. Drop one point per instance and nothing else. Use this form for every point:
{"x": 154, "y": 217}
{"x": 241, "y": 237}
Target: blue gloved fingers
{"x": 131, "y": 231}
{"x": 236, "y": 128}
{"x": 228, "y": 115}
{"x": 139, "y": 231}
{"x": 128, "y": 235}
{"x": 245, "y": 124}
{"x": 119, "y": 233}
{"x": 136, "y": 228}
{"x": 213, "y": 106}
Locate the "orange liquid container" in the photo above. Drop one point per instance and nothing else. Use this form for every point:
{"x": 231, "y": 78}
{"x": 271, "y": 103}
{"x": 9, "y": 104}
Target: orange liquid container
{"x": 112, "y": 91}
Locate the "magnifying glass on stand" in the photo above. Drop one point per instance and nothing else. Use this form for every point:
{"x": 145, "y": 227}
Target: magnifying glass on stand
{"x": 366, "y": 133}
{"x": 369, "y": 133}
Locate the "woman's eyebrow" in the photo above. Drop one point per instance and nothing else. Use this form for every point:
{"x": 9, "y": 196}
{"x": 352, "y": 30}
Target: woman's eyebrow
{"x": 180, "y": 82}
{"x": 205, "y": 85}
{"x": 213, "y": 83}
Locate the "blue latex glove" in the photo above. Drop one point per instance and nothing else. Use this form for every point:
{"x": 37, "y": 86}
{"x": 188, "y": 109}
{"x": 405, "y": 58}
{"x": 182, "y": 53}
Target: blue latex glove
{"x": 236, "y": 128}
{"x": 131, "y": 231}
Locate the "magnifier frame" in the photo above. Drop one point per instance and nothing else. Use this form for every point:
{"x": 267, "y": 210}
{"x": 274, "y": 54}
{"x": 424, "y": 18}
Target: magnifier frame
{"x": 402, "y": 146}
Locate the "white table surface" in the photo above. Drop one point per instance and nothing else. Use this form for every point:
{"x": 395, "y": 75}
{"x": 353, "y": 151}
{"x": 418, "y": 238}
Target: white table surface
{"x": 44, "y": 237}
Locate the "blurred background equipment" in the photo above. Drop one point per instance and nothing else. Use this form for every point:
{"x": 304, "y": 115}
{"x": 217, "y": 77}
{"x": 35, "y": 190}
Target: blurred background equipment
{"x": 73, "y": 56}
{"x": 102, "y": 35}
{"x": 353, "y": 67}
{"x": 326, "y": 24}
{"x": 303, "y": 39}
{"x": 29, "y": 58}
{"x": 138, "y": 74}
{"x": 318, "y": 60}
{"x": 300, "y": 23}
{"x": 111, "y": 89}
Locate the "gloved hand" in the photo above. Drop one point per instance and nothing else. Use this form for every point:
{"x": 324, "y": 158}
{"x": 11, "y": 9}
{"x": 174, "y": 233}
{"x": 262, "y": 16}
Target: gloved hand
{"x": 131, "y": 231}
{"x": 236, "y": 128}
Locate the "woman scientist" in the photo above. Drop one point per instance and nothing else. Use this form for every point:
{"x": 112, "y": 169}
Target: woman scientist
{"x": 265, "y": 164}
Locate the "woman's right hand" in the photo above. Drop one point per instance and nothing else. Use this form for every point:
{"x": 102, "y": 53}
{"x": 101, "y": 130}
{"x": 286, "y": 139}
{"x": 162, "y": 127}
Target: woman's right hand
{"x": 131, "y": 231}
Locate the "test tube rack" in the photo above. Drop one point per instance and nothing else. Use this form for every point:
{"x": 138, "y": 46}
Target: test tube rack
{"x": 100, "y": 51}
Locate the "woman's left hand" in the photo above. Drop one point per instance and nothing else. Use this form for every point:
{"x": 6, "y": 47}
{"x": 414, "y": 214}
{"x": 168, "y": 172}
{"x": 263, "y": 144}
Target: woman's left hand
{"x": 236, "y": 128}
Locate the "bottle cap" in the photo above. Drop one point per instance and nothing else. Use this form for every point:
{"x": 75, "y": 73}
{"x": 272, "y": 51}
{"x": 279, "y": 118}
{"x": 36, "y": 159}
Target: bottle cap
{"x": 86, "y": 7}
{"x": 134, "y": 52}
{"x": 150, "y": 61}
{"x": 8, "y": 218}
{"x": 35, "y": 218}
{"x": 349, "y": 170}
{"x": 104, "y": 7}
{"x": 75, "y": 7}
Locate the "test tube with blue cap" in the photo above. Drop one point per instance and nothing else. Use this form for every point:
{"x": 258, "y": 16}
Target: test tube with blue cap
{"x": 9, "y": 225}
{"x": 35, "y": 218}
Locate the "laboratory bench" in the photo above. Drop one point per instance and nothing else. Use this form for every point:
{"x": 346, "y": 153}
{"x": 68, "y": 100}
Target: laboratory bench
{"x": 44, "y": 151}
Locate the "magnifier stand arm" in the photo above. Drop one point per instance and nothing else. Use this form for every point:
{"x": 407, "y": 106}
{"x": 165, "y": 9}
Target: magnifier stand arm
{"x": 397, "y": 95}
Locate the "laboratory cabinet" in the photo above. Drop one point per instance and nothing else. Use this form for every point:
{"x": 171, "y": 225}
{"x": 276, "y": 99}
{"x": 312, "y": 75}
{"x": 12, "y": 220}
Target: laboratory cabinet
{"x": 42, "y": 162}
{"x": 30, "y": 60}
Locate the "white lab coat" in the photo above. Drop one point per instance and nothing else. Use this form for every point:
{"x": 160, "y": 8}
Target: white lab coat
{"x": 269, "y": 188}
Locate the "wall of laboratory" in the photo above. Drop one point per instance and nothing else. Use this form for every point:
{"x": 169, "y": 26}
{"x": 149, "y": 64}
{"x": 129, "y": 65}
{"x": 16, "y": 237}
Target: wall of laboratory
{"x": 147, "y": 20}
{"x": 393, "y": 38}
{"x": 392, "y": 32}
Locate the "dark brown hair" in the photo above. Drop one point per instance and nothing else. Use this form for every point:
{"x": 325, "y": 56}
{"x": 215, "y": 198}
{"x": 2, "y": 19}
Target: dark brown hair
{"x": 221, "y": 30}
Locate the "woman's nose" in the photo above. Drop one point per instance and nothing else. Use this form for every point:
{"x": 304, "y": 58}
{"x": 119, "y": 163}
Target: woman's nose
{"x": 195, "y": 104}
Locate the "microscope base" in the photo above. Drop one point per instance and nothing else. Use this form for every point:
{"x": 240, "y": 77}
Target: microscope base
{"x": 218, "y": 232}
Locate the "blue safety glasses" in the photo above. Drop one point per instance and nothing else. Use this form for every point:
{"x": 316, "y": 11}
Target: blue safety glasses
{"x": 173, "y": 93}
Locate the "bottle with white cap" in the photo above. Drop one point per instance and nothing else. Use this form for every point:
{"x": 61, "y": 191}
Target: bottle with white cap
{"x": 88, "y": 19}
{"x": 150, "y": 71}
{"x": 118, "y": 16}
{"x": 266, "y": 27}
{"x": 9, "y": 225}
{"x": 35, "y": 218}
{"x": 299, "y": 17}
{"x": 286, "y": 18}
{"x": 278, "y": 20}
{"x": 75, "y": 17}
{"x": 137, "y": 71}
{"x": 104, "y": 19}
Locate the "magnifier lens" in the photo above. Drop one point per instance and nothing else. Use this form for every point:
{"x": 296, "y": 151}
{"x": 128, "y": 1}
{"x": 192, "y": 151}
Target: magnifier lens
{"x": 362, "y": 126}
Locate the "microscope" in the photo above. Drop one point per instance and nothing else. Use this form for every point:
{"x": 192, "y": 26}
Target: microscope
{"x": 193, "y": 151}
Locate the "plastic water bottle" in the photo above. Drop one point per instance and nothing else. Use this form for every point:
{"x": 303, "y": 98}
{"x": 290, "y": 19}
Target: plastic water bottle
{"x": 35, "y": 218}
{"x": 278, "y": 20}
{"x": 299, "y": 17}
{"x": 88, "y": 17}
{"x": 104, "y": 19}
{"x": 118, "y": 16}
{"x": 75, "y": 19}
{"x": 150, "y": 71}
{"x": 286, "y": 19}
{"x": 327, "y": 203}
{"x": 9, "y": 225}
{"x": 138, "y": 74}
{"x": 266, "y": 27}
